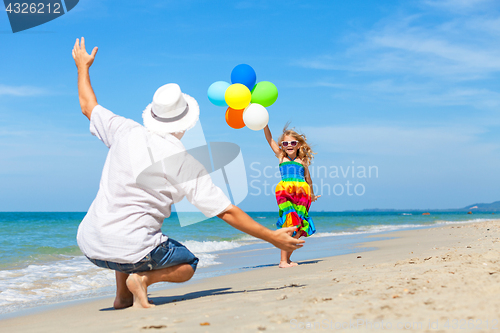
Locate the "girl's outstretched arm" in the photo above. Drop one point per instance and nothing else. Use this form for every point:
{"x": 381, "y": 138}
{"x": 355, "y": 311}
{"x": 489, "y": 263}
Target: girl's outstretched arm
{"x": 307, "y": 176}
{"x": 274, "y": 146}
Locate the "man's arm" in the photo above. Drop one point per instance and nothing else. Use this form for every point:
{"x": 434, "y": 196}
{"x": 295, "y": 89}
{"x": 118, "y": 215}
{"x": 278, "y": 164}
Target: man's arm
{"x": 83, "y": 61}
{"x": 280, "y": 238}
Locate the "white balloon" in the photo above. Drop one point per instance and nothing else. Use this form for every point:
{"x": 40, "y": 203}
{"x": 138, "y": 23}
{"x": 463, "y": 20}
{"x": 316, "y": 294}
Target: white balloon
{"x": 255, "y": 117}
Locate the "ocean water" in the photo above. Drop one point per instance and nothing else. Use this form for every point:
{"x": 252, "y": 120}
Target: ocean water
{"x": 40, "y": 262}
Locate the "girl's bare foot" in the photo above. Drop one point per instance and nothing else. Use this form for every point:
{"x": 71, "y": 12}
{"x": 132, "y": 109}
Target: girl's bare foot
{"x": 284, "y": 264}
{"x": 137, "y": 285}
{"x": 292, "y": 263}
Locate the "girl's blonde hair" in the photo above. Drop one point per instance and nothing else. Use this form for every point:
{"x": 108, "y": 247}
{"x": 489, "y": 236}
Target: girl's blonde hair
{"x": 305, "y": 152}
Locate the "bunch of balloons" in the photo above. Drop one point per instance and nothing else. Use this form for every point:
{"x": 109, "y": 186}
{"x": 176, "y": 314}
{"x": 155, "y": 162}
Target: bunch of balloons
{"x": 246, "y": 100}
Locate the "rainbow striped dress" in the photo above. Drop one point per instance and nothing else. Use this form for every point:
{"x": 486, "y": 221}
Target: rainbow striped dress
{"x": 293, "y": 195}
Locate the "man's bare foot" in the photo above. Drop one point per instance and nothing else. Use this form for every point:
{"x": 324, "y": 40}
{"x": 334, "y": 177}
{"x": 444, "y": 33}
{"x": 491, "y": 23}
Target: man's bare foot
{"x": 137, "y": 285}
{"x": 125, "y": 303}
{"x": 122, "y": 303}
{"x": 293, "y": 263}
{"x": 284, "y": 264}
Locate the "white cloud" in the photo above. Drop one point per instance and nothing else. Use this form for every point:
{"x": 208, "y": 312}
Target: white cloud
{"x": 455, "y": 141}
{"x": 10, "y": 133}
{"x": 434, "y": 52}
{"x": 465, "y": 49}
{"x": 21, "y": 91}
{"x": 418, "y": 93}
{"x": 446, "y": 60}
{"x": 455, "y": 5}
{"x": 489, "y": 26}
{"x": 431, "y": 93}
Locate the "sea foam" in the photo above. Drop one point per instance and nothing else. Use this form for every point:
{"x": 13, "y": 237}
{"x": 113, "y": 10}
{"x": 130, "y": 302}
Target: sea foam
{"x": 76, "y": 277}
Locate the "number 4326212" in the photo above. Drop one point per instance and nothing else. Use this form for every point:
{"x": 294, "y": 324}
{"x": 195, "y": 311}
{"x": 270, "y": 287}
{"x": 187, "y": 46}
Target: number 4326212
{"x": 33, "y": 8}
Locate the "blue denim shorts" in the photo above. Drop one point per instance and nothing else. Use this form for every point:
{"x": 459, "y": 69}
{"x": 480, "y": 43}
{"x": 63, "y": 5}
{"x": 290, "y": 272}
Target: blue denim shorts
{"x": 167, "y": 254}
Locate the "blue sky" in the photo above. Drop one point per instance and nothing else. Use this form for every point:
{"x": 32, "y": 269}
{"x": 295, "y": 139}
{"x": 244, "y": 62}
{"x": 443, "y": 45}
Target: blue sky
{"x": 409, "y": 88}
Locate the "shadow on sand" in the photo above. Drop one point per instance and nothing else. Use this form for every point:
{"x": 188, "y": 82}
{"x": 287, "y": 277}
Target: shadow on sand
{"x": 160, "y": 300}
{"x": 308, "y": 262}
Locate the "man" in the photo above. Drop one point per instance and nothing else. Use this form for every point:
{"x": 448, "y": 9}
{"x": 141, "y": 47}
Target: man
{"x": 122, "y": 229}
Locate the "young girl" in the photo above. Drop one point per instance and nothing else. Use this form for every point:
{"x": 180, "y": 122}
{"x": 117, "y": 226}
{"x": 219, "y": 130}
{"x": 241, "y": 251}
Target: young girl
{"x": 294, "y": 192}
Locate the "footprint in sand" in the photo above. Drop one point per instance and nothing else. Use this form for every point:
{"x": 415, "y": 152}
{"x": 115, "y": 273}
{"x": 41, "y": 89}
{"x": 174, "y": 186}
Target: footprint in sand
{"x": 154, "y": 327}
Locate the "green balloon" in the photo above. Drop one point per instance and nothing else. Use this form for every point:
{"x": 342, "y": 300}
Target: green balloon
{"x": 264, "y": 93}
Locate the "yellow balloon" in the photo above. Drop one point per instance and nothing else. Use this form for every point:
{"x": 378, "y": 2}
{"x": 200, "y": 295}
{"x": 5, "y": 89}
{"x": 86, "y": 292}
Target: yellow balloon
{"x": 238, "y": 96}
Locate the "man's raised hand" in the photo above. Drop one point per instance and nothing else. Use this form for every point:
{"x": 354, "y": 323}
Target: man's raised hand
{"x": 83, "y": 60}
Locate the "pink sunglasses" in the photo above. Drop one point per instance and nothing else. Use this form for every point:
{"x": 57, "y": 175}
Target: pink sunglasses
{"x": 291, "y": 143}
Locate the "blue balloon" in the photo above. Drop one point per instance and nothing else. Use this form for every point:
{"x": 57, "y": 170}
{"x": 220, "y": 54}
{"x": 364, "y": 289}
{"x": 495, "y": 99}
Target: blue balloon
{"x": 245, "y": 75}
{"x": 216, "y": 93}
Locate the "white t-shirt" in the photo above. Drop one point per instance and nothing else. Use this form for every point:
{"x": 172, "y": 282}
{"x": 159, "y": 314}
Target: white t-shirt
{"x": 123, "y": 224}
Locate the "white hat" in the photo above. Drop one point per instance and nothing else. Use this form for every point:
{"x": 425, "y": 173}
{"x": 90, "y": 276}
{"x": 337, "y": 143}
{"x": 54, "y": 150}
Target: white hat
{"x": 171, "y": 111}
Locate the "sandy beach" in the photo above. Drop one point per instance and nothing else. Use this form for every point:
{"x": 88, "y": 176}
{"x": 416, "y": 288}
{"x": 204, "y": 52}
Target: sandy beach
{"x": 431, "y": 280}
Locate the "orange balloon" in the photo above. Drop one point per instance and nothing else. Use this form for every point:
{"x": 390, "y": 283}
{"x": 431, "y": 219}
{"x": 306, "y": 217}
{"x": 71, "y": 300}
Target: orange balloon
{"x": 234, "y": 118}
